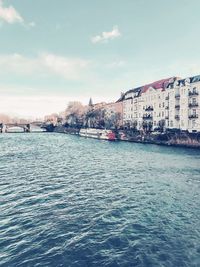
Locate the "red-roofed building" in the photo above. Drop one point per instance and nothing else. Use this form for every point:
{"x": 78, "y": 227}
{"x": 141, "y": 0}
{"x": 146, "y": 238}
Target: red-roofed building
{"x": 161, "y": 84}
{"x": 168, "y": 103}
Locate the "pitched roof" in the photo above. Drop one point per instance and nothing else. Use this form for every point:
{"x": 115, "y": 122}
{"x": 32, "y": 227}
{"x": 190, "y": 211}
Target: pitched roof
{"x": 133, "y": 90}
{"x": 195, "y": 79}
{"x": 161, "y": 84}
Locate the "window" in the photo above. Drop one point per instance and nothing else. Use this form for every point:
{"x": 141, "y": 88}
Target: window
{"x": 194, "y": 112}
{"x": 194, "y": 100}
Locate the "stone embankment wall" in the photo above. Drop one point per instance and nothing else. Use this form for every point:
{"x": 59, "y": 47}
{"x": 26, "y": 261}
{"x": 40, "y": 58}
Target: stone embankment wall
{"x": 171, "y": 139}
{"x": 183, "y": 139}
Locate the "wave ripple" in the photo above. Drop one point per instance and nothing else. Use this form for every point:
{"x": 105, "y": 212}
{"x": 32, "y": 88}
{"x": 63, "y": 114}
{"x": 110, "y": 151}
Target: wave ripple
{"x": 67, "y": 201}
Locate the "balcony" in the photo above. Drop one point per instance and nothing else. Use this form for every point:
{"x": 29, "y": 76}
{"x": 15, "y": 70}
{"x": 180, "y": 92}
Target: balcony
{"x": 147, "y": 117}
{"x": 193, "y": 93}
{"x": 149, "y": 108}
{"x": 177, "y": 106}
{"x": 193, "y": 105}
{"x": 177, "y": 95}
{"x": 193, "y": 116}
{"x": 177, "y": 117}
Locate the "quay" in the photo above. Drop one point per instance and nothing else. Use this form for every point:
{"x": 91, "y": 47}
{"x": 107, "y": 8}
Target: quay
{"x": 169, "y": 138}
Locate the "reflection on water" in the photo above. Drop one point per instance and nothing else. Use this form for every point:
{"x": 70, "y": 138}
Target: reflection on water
{"x": 37, "y": 129}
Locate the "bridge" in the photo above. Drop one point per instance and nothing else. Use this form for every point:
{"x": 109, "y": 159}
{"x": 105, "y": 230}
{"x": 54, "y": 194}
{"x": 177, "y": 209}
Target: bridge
{"x": 25, "y": 126}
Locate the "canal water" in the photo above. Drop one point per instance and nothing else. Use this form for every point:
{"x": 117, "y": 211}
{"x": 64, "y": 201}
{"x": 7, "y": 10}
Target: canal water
{"x": 70, "y": 201}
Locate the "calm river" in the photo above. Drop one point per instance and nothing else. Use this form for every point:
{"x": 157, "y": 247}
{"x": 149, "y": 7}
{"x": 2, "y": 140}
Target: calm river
{"x": 70, "y": 201}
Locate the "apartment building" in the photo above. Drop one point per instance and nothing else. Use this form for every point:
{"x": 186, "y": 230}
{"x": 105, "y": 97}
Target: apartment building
{"x": 170, "y": 103}
{"x": 113, "y": 107}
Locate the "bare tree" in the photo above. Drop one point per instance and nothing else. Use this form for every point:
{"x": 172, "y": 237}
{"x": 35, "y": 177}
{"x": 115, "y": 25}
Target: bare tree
{"x": 95, "y": 118}
{"x": 113, "y": 120}
{"x": 74, "y": 114}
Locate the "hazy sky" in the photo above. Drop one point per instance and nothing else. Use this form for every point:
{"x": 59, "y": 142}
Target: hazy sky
{"x": 53, "y": 51}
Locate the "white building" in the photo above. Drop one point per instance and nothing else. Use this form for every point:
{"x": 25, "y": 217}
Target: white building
{"x": 172, "y": 103}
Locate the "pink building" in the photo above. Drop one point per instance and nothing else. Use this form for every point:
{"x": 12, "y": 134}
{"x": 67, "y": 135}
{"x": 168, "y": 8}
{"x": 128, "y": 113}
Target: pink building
{"x": 115, "y": 108}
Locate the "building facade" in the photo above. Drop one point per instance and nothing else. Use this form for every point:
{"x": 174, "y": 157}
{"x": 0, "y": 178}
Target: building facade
{"x": 112, "y": 110}
{"x": 172, "y": 103}
{"x": 114, "y": 107}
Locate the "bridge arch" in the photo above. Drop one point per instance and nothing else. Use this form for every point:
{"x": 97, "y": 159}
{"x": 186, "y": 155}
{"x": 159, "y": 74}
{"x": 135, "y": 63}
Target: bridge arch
{"x": 10, "y": 126}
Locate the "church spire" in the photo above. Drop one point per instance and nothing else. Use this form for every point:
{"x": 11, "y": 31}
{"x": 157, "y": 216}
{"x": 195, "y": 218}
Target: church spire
{"x": 90, "y": 102}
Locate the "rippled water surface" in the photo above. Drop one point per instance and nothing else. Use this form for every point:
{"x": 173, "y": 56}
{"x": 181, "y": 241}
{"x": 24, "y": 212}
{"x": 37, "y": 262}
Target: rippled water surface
{"x": 69, "y": 201}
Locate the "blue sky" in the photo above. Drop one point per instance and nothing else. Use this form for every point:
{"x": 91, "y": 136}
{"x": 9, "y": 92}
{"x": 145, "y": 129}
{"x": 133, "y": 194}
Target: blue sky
{"x": 52, "y": 52}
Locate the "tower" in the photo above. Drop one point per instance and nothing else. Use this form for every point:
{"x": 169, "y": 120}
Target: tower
{"x": 90, "y": 102}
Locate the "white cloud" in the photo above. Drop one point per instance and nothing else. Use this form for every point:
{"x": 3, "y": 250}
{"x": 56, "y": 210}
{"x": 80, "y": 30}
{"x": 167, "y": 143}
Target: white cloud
{"x": 32, "y": 24}
{"x": 16, "y": 63}
{"x": 106, "y": 36}
{"x": 10, "y": 14}
{"x": 45, "y": 63}
{"x": 69, "y": 68}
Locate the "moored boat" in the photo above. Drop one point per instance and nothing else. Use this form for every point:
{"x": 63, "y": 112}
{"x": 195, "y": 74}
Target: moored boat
{"x": 122, "y": 136}
{"x": 98, "y": 134}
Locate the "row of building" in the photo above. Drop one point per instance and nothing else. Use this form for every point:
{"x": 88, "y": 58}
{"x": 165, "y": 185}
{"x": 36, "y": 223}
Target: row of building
{"x": 171, "y": 103}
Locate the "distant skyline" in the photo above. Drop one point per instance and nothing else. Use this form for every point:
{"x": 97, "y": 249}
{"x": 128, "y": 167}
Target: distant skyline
{"x": 52, "y": 52}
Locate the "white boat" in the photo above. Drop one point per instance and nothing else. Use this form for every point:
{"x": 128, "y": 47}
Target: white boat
{"x": 98, "y": 134}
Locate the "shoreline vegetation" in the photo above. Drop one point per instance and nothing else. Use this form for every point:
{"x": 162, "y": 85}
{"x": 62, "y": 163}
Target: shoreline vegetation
{"x": 173, "y": 138}
{"x": 77, "y": 116}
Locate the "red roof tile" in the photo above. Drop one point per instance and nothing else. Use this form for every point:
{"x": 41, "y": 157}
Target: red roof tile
{"x": 161, "y": 84}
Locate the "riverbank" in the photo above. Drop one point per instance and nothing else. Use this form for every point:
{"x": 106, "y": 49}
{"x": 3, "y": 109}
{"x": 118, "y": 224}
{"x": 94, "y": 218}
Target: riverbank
{"x": 182, "y": 139}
